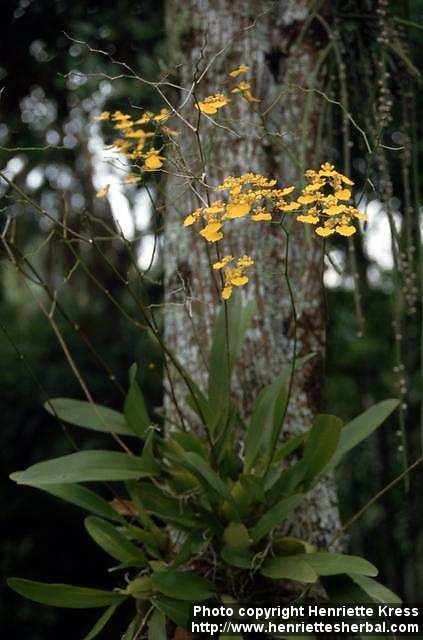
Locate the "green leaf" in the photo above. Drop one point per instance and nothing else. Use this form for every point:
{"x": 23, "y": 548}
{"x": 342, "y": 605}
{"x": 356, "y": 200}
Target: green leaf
{"x": 266, "y": 421}
{"x": 198, "y": 402}
{"x": 229, "y": 332}
{"x": 199, "y": 467}
{"x": 177, "y": 610}
{"x": 320, "y": 446}
{"x": 148, "y": 459}
{"x": 157, "y": 626}
{"x": 88, "y": 415}
{"x": 375, "y": 590}
{"x": 330, "y": 564}
{"x": 101, "y": 622}
{"x": 267, "y": 410}
{"x": 361, "y": 427}
{"x": 342, "y": 590}
{"x": 275, "y": 516}
{"x": 113, "y": 541}
{"x": 189, "y": 442}
{"x": 286, "y": 479}
{"x": 134, "y": 489}
{"x": 237, "y": 557}
{"x": 64, "y": 595}
{"x": 289, "y": 447}
{"x": 82, "y": 497}
{"x": 135, "y": 410}
{"x": 182, "y": 585}
{"x": 166, "y": 508}
{"x": 290, "y": 546}
{"x": 195, "y": 398}
{"x": 83, "y": 466}
{"x": 146, "y": 537}
{"x": 289, "y": 568}
{"x": 254, "y": 486}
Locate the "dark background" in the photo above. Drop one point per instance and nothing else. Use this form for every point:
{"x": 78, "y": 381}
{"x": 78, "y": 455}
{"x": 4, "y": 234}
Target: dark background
{"x": 43, "y": 538}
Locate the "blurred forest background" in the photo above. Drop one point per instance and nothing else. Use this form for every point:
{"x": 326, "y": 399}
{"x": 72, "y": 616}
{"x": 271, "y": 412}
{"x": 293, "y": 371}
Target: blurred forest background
{"x": 44, "y": 104}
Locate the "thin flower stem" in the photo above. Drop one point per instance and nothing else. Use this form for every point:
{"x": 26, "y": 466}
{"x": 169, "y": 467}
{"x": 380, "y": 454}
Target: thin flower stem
{"x": 37, "y": 207}
{"x": 294, "y": 343}
{"x": 375, "y": 498}
{"x": 225, "y": 304}
{"x": 75, "y": 326}
{"x": 22, "y": 357}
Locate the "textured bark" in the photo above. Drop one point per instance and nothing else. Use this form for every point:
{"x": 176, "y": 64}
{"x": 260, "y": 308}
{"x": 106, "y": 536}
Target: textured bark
{"x": 262, "y": 37}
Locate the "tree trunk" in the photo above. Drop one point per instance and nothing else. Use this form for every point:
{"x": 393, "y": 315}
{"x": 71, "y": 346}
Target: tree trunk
{"x": 264, "y": 36}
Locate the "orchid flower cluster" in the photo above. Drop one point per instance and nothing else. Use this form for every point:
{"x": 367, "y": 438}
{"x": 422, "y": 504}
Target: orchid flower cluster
{"x": 212, "y": 104}
{"x": 325, "y": 201}
{"x": 327, "y": 198}
{"x": 136, "y": 134}
{"x": 134, "y": 140}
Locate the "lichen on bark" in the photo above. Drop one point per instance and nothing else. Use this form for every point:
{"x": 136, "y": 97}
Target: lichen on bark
{"x": 264, "y": 36}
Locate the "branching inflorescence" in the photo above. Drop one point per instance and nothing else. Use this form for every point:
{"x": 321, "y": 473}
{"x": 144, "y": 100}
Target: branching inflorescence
{"x": 325, "y": 202}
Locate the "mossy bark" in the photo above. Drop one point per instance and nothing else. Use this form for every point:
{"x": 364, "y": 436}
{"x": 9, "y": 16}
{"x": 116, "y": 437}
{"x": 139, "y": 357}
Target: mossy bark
{"x": 269, "y": 38}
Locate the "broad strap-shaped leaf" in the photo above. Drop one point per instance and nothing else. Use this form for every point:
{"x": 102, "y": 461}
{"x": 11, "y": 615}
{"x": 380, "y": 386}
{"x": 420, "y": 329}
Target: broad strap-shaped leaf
{"x": 157, "y": 626}
{"x": 361, "y": 427}
{"x": 82, "y": 497}
{"x": 275, "y": 516}
{"x": 224, "y": 447}
{"x": 135, "y": 409}
{"x": 101, "y": 622}
{"x": 378, "y": 592}
{"x": 289, "y": 568}
{"x": 229, "y": 332}
{"x": 321, "y": 445}
{"x": 65, "y": 595}
{"x": 177, "y": 610}
{"x": 113, "y": 542}
{"x": 83, "y": 466}
{"x": 88, "y": 415}
{"x": 182, "y": 585}
{"x": 331, "y": 564}
{"x": 267, "y": 416}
